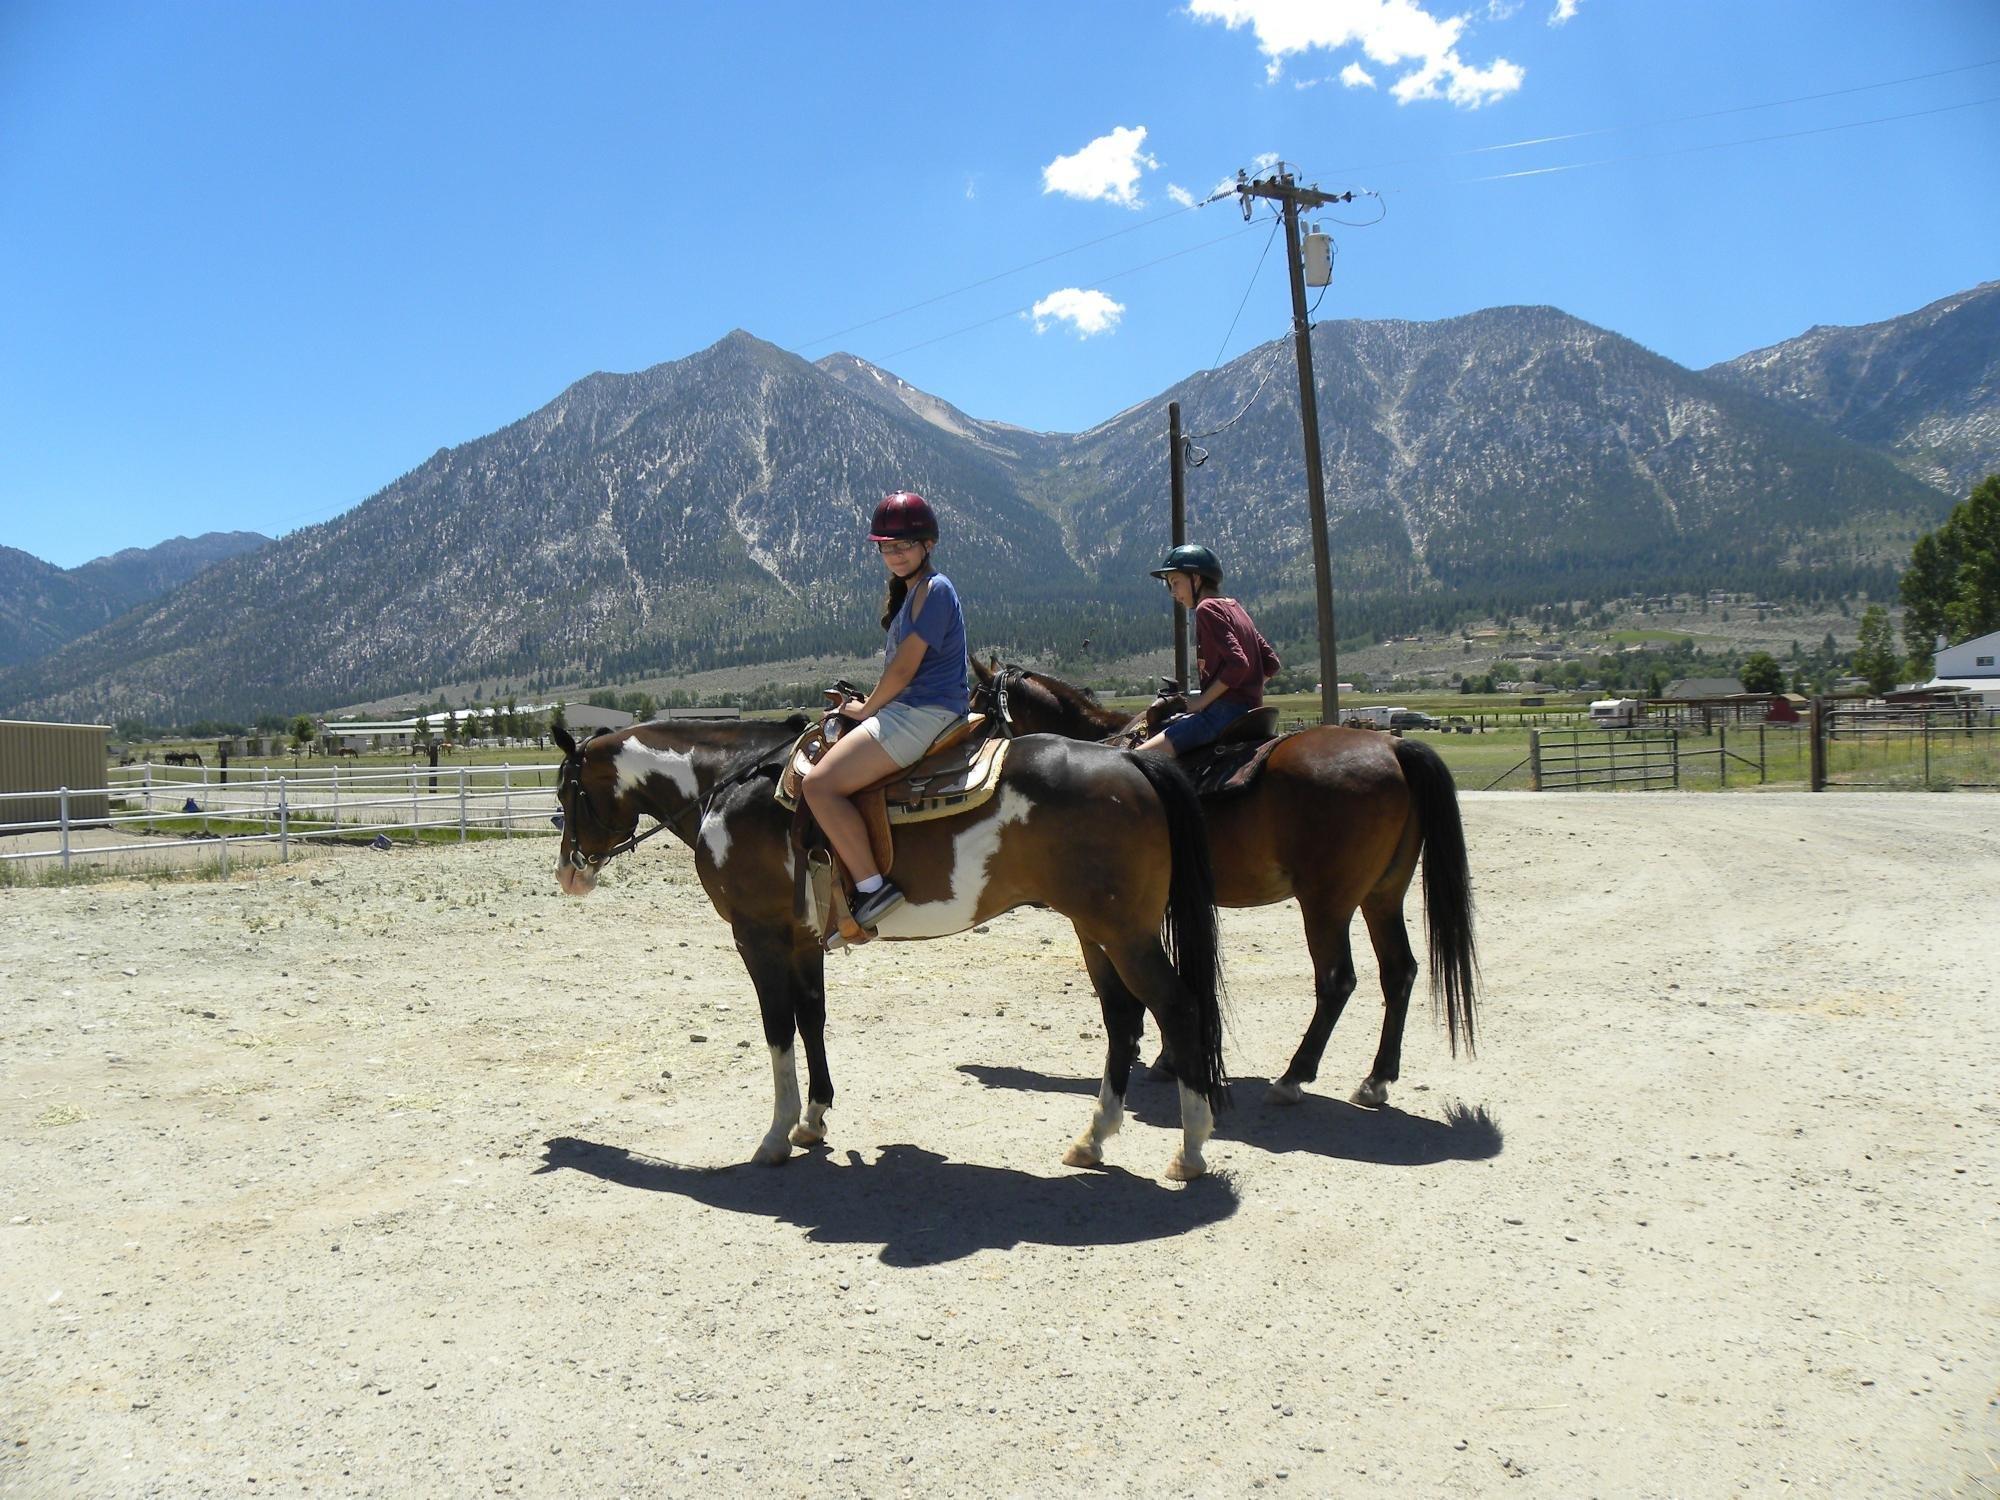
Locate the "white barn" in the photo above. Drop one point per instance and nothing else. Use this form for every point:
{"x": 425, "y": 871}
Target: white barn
{"x": 1971, "y": 666}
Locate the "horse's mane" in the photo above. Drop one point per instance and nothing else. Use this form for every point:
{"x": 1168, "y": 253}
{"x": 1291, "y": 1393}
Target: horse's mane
{"x": 1064, "y": 692}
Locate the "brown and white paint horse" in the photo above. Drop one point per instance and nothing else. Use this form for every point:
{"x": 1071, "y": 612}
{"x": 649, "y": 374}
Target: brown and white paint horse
{"x": 1337, "y": 819}
{"x": 1112, "y": 841}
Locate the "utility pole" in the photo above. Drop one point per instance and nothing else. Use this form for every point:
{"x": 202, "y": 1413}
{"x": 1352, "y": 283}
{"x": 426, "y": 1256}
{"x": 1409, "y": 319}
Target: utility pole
{"x": 1291, "y": 198}
{"x": 1177, "y": 468}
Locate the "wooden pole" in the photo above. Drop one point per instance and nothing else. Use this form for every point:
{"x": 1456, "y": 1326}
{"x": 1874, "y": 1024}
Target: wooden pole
{"x": 1329, "y": 664}
{"x": 1177, "y": 473}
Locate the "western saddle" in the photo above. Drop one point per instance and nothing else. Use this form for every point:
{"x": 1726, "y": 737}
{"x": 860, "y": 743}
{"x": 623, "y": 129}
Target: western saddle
{"x": 959, "y": 772}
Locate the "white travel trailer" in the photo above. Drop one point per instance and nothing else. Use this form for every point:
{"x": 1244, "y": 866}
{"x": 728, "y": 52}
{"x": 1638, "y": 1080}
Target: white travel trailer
{"x": 1616, "y": 713}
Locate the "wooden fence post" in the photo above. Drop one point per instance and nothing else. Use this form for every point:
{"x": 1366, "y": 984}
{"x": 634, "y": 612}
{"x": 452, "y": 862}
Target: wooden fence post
{"x": 1534, "y": 760}
{"x": 1816, "y": 777}
{"x": 1722, "y": 754}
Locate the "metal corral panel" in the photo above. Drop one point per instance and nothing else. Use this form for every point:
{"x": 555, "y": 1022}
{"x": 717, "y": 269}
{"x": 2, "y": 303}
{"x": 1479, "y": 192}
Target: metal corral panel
{"x": 45, "y": 757}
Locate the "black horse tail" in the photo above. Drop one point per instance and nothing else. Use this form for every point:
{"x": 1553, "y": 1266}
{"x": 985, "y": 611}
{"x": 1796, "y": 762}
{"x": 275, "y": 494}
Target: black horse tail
{"x": 1447, "y": 890}
{"x": 1189, "y": 932}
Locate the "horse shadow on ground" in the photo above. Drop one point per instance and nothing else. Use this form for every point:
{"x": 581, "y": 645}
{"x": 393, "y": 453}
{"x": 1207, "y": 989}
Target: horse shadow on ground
{"x": 922, "y": 1208}
{"x": 1386, "y": 1137}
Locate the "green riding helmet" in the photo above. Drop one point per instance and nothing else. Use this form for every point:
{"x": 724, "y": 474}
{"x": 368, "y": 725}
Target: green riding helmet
{"x": 1191, "y": 558}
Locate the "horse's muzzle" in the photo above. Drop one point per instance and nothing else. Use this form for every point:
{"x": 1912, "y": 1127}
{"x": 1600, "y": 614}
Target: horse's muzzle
{"x": 575, "y": 879}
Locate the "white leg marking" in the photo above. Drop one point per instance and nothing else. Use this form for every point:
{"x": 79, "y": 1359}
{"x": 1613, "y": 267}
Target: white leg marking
{"x": 1286, "y": 1092}
{"x": 812, "y": 1129}
{"x": 777, "y": 1145}
{"x": 971, "y": 853}
{"x": 1197, "y": 1121}
{"x": 1087, "y": 1150}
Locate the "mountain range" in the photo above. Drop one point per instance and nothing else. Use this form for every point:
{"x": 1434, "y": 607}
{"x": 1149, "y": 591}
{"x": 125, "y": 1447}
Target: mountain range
{"x": 712, "y": 510}
{"x": 43, "y": 607}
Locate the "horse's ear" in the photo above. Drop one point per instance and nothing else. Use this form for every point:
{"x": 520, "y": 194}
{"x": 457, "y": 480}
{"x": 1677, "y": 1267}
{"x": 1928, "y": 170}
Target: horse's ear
{"x": 562, "y": 737}
{"x": 980, "y": 670}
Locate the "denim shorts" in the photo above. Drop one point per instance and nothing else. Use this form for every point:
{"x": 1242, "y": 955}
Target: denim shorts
{"x": 906, "y": 732}
{"x": 1192, "y": 731}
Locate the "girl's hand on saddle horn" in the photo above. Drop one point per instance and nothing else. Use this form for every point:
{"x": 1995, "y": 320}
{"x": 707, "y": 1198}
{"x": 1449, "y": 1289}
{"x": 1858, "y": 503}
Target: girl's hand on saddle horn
{"x": 854, "y": 709}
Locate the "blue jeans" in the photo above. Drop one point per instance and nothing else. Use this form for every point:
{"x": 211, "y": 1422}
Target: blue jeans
{"x": 1192, "y": 731}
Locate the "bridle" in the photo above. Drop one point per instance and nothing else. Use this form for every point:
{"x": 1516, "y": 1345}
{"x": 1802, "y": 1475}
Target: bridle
{"x": 571, "y": 778}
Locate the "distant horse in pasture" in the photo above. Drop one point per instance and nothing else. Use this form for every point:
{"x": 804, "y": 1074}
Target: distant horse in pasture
{"x": 1337, "y": 818}
{"x": 183, "y": 758}
{"x": 1110, "y": 840}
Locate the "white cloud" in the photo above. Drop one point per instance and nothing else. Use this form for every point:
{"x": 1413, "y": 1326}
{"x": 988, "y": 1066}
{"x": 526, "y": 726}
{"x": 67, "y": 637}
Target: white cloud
{"x": 1389, "y": 32}
{"x": 1503, "y": 10}
{"x": 1180, "y": 195}
{"x": 1088, "y": 312}
{"x": 972, "y": 187}
{"x": 1565, "y": 11}
{"x": 1357, "y": 77}
{"x": 1108, "y": 167}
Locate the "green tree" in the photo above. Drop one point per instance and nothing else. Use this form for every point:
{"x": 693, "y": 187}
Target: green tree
{"x": 1875, "y": 658}
{"x": 1761, "y": 673}
{"x": 303, "y": 729}
{"x": 422, "y": 732}
{"x": 1952, "y": 587}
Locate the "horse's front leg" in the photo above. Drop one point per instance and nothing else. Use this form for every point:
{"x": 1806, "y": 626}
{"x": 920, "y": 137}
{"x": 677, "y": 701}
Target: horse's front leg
{"x": 1123, "y": 1016}
{"x": 767, "y": 956}
{"x": 809, "y": 1008}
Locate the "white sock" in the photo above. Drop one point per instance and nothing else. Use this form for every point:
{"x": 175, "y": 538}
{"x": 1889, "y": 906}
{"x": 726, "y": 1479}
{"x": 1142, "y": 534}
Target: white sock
{"x": 869, "y": 886}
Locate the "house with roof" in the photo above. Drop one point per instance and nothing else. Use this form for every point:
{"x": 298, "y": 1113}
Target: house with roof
{"x": 1971, "y": 666}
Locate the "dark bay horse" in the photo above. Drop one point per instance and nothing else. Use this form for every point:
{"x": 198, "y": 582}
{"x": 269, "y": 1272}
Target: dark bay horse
{"x": 1112, "y": 841}
{"x": 1338, "y": 819}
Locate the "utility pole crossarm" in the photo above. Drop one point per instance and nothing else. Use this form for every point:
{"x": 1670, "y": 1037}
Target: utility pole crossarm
{"x": 1284, "y": 189}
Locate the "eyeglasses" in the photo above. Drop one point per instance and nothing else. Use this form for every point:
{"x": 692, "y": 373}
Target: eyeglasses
{"x": 897, "y": 549}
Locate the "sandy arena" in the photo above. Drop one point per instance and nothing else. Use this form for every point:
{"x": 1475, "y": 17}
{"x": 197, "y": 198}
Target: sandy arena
{"x": 398, "y": 1174}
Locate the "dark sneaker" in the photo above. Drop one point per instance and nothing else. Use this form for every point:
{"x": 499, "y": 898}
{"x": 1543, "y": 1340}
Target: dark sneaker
{"x": 873, "y": 908}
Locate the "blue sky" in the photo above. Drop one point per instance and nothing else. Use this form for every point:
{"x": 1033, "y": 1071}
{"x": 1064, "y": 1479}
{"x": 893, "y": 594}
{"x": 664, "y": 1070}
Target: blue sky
{"x": 258, "y": 260}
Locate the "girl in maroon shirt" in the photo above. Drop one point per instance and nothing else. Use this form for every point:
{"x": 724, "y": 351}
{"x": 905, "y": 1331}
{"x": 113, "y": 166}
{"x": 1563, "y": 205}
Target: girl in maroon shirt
{"x": 1232, "y": 658}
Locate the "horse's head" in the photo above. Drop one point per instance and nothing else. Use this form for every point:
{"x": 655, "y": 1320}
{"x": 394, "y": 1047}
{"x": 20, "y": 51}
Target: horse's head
{"x": 597, "y": 818}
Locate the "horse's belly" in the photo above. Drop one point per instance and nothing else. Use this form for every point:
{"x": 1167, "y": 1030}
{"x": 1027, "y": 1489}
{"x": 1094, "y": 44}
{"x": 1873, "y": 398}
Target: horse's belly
{"x": 948, "y": 872}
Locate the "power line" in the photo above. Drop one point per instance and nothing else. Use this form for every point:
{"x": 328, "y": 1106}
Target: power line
{"x": 1276, "y": 223}
{"x": 1229, "y": 191}
{"x": 1014, "y": 312}
{"x": 972, "y": 286}
{"x": 1755, "y": 140}
{"x": 1710, "y": 114}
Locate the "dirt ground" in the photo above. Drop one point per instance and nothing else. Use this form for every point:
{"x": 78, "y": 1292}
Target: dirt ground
{"x": 398, "y": 1174}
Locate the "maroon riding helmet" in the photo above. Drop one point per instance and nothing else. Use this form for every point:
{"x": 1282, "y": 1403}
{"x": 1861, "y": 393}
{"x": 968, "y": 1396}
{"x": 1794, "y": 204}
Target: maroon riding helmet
{"x": 904, "y": 516}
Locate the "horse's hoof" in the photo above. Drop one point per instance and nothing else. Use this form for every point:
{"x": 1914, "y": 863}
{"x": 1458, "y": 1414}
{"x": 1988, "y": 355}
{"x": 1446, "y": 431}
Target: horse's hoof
{"x": 1180, "y": 1169}
{"x": 1284, "y": 1091}
{"x": 772, "y": 1152}
{"x": 807, "y": 1135}
{"x": 1083, "y": 1154}
{"x": 1372, "y": 1094}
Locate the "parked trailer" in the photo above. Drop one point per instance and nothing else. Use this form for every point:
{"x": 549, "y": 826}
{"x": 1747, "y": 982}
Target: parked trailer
{"x": 1616, "y": 713}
